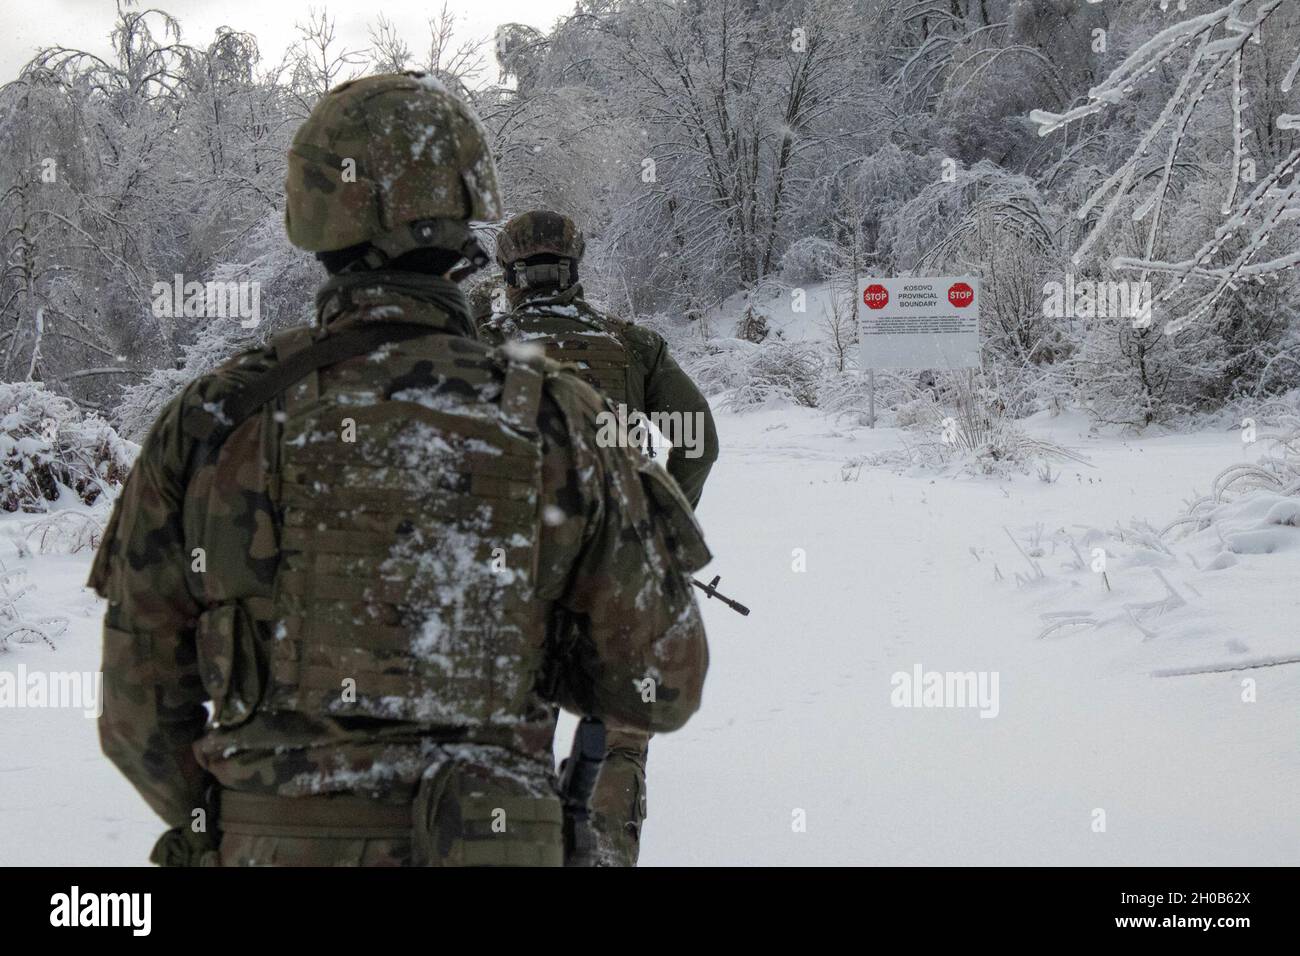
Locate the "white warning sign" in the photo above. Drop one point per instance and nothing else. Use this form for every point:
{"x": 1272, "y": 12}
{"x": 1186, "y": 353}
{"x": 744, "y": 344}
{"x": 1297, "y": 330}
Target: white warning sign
{"x": 920, "y": 323}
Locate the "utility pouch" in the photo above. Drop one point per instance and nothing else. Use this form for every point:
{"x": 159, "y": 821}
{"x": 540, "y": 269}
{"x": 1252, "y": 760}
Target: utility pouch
{"x": 230, "y": 663}
{"x": 475, "y": 808}
{"x": 684, "y": 535}
{"x": 180, "y": 847}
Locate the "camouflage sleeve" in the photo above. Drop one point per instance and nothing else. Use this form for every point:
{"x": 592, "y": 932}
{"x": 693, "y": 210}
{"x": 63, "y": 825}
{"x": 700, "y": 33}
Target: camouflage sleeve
{"x": 670, "y": 390}
{"x": 631, "y": 644}
{"x": 153, "y": 697}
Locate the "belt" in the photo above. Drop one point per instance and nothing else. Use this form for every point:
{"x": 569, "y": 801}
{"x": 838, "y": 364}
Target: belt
{"x": 338, "y": 816}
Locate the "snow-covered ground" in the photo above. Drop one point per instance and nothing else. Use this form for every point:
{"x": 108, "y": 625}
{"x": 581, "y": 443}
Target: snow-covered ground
{"x": 900, "y": 572}
{"x": 797, "y": 714}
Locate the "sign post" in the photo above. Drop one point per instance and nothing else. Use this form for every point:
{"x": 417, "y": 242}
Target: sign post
{"x": 871, "y": 396}
{"x": 918, "y": 323}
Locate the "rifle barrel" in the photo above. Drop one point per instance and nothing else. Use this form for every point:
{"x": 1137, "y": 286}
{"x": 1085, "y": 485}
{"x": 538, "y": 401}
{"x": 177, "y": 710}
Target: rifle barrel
{"x": 711, "y": 589}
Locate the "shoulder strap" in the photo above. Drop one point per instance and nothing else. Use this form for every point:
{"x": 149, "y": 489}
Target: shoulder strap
{"x": 521, "y": 394}
{"x": 330, "y": 350}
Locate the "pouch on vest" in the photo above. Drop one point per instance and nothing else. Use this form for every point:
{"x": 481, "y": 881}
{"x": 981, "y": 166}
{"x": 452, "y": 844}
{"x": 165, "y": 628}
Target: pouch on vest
{"x": 684, "y": 534}
{"x": 230, "y": 663}
{"x": 476, "y": 807}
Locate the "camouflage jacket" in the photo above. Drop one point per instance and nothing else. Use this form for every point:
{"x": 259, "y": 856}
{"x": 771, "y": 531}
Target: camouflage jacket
{"x": 656, "y": 384}
{"x": 611, "y": 569}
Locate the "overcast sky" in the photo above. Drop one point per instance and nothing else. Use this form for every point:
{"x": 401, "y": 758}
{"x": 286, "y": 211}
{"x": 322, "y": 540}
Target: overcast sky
{"x": 86, "y": 24}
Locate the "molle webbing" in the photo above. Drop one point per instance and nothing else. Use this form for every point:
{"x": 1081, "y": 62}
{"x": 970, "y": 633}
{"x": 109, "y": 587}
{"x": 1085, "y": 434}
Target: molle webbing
{"x": 409, "y": 540}
{"x": 599, "y": 356}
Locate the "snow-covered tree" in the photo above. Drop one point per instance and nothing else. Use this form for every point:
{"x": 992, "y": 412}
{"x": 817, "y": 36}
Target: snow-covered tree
{"x": 1257, "y": 236}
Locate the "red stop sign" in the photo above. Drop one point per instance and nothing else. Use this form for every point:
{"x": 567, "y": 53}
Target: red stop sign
{"x": 961, "y": 295}
{"x": 875, "y": 296}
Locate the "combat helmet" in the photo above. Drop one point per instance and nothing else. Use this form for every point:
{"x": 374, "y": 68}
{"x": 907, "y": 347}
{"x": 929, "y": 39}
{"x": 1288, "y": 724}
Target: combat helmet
{"x": 540, "y": 248}
{"x": 390, "y": 163}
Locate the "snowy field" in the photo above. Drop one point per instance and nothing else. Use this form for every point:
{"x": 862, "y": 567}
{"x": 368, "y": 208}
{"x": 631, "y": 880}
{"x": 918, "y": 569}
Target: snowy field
{"x": 903, "y": 569}
{"x": 797, "y": 711}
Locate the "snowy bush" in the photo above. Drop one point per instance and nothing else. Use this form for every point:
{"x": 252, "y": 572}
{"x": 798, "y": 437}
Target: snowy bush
{"x": 782, "y": 372}
{"x": 808, "y": 260}
{"x": 62, "y": 532}
{"x": 920, "y": 412}
{"x": 48, "y": 447}
{"x": 977, "y": 436}
{"x": 845, "y": 395}
{"x": 1275, "y": 477}
{"x": 15, "y": 626}
{"x": 753, "y": 326}
{"x": 754, "y": 375}
{"x": 716, "y": 365}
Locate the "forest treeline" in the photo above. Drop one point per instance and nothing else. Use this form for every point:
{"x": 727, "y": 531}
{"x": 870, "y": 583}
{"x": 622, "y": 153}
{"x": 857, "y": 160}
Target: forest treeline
{"x": 709, "y": 148}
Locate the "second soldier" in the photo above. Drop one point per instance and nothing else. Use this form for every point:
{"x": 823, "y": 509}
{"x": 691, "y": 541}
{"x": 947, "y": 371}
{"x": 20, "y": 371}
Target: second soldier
{"x": 540, "y": 254}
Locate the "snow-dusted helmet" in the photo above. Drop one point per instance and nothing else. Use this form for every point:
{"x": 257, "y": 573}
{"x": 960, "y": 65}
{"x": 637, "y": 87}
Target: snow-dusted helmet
{"x": 390, "y": 164}
{"x": 540, "y": 248}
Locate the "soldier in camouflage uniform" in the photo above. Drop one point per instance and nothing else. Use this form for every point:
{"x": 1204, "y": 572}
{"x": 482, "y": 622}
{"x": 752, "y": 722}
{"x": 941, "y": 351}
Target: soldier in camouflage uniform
{"x": 539, "y": 252}
{"x": 381, "y": 551}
